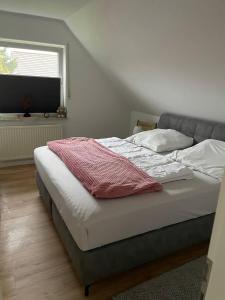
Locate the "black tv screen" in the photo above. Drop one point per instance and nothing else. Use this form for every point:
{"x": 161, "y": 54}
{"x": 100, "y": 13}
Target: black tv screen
{"x": 19, "y": 94}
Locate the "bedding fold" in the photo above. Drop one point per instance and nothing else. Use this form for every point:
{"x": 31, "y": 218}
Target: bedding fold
{"x": 162, "y": 168}
{"x": 207, "y": 157}
{"x": 104, "y": 173}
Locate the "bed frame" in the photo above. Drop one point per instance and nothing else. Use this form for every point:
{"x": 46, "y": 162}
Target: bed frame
{"x": 99, "y": 263}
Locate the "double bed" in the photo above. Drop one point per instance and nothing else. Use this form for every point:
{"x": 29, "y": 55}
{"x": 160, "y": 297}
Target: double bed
{"x": 104, "y": 237}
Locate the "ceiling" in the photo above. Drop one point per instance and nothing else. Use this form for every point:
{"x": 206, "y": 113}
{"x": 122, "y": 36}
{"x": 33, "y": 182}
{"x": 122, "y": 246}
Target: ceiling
{"x": 59, "y": 9}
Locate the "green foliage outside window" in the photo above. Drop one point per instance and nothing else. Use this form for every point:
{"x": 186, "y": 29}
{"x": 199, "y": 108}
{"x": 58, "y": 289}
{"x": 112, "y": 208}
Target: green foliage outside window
{"x": 7, "y": 63}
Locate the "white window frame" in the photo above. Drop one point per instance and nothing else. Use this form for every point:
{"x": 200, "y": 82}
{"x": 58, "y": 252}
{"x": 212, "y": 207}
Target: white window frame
{"x": 62, "y": 51}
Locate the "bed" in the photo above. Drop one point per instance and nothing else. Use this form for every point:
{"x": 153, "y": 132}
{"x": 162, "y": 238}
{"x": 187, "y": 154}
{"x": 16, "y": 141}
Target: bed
{"x": 106, "y": 237}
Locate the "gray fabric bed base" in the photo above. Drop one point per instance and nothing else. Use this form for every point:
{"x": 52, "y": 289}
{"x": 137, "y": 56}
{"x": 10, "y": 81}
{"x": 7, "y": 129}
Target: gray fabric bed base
{"x": 99, "y": 263}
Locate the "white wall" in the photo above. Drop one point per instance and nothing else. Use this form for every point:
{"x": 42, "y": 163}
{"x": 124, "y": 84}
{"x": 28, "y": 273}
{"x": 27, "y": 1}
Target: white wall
{"x": 166, "y": 55}
{"x": 95, "y": 109}
{"x": 216, "y": 287}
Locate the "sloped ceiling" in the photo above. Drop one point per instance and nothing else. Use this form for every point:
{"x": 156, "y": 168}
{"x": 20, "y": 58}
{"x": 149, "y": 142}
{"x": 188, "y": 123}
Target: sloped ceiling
{"x": 58, "y": 9}
{"x": 166, "y": 55}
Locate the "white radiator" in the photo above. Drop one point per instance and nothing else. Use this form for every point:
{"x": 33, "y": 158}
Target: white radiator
{"x": 19, "y": 142}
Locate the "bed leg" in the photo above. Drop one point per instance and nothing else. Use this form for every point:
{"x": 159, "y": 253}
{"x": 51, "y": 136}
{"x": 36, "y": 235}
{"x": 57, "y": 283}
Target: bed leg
{"x": 86, "y": 290}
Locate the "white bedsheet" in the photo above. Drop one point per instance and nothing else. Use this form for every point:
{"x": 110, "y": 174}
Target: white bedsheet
{"x": 162, "y": 168}
{"x": 94, "y": 223}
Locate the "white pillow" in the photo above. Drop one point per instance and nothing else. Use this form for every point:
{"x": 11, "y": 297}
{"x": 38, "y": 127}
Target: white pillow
{"x": 207, "y": 157}
{"x": 161, "y": 140}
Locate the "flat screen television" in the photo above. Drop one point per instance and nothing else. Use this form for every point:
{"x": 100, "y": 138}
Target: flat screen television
{"x": 31, "y": 94}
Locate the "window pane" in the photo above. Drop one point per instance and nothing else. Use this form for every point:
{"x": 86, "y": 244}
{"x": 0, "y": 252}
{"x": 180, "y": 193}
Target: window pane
{"x": 29, "y": 62}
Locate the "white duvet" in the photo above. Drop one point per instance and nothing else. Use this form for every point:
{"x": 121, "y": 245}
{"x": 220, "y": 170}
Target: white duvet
{"x": 160, "y": 167}
{"x": 207, "y": 157}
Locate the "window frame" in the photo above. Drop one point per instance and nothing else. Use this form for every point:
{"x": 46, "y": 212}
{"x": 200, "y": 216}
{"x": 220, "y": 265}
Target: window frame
{"x": 62, "y": 51}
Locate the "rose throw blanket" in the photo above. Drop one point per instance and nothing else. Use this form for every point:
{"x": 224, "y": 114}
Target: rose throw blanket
{"x": 103, "y": 173}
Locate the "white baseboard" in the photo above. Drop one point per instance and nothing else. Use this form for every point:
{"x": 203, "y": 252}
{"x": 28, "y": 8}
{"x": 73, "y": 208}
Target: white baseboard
{"x": 4, "y": 164}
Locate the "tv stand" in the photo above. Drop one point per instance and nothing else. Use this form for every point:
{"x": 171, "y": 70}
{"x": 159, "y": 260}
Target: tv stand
{"x": 27, "y": 115}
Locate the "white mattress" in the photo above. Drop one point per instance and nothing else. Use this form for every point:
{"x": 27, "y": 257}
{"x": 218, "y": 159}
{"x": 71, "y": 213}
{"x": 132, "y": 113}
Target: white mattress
{"x": 94, "y": 223}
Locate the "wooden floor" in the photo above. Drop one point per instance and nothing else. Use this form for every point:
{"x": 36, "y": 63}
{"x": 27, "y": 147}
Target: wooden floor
{"x": 33, "y": 262}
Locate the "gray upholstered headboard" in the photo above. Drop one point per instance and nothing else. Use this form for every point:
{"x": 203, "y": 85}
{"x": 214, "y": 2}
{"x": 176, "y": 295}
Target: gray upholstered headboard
{"x": 198, "y": 129}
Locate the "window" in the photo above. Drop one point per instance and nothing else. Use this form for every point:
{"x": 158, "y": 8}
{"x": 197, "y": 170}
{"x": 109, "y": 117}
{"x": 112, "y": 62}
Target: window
{"x": 28, "y": 62}
{"x": 34, "y": 59}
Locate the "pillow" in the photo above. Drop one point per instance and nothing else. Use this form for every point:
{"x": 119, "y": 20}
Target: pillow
{"x": 207, "y": 157}
{"x": 161, "y": 140}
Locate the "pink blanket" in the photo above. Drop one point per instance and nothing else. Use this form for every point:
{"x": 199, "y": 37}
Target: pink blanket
{"x": 104, "y": 173}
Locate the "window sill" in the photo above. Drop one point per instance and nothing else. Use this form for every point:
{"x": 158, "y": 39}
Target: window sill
{"x": 35, "y": 120}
